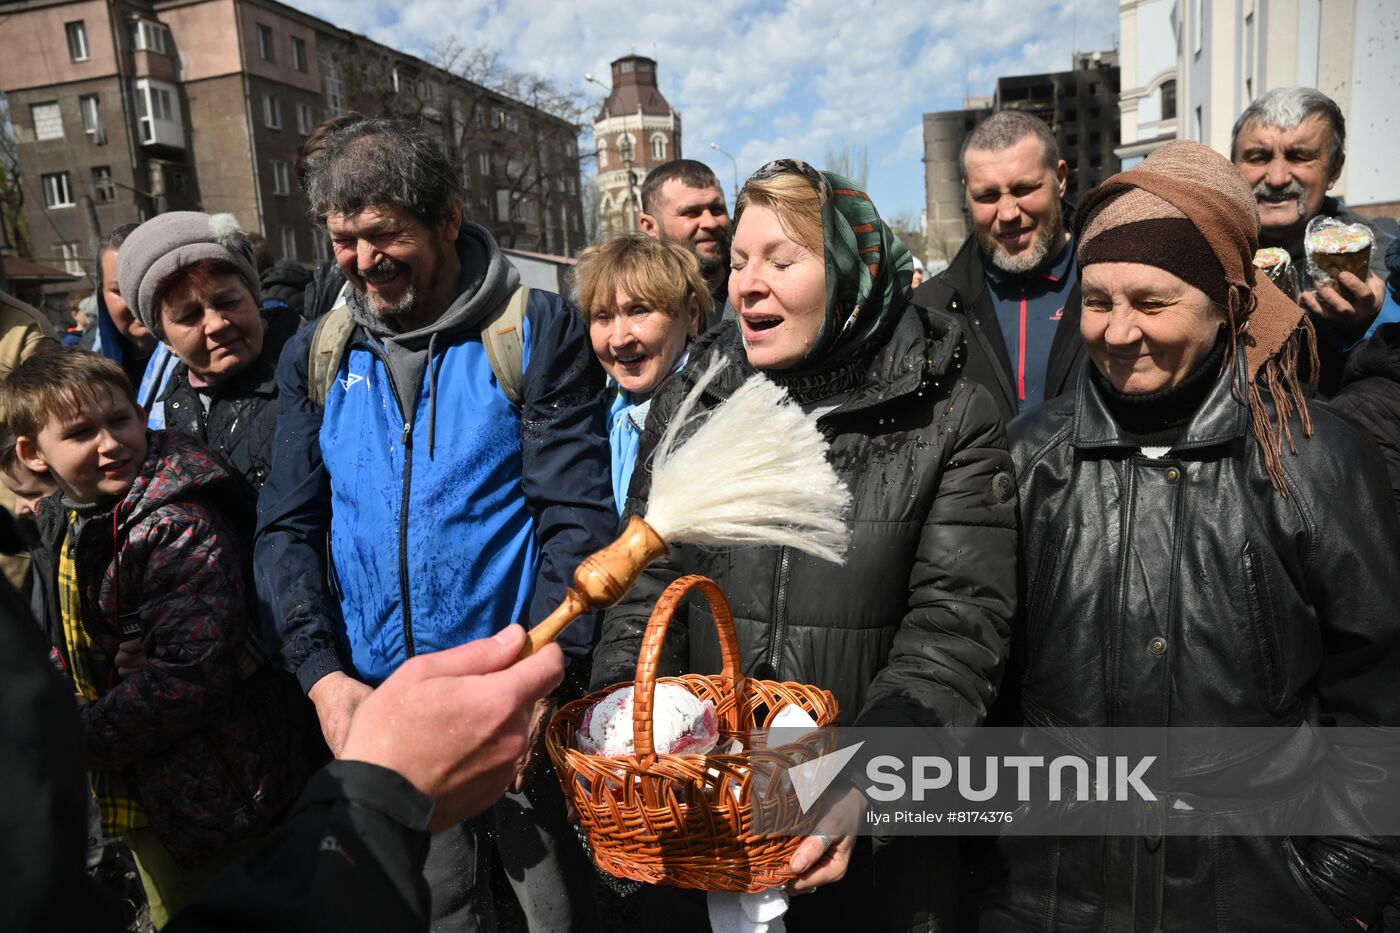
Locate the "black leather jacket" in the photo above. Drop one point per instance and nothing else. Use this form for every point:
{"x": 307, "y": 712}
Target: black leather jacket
{"x": 1186, "y": 591}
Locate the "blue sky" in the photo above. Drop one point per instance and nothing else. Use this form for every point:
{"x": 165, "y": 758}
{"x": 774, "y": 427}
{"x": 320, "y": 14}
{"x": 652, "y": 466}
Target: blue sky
{"x": 771, "y": 79}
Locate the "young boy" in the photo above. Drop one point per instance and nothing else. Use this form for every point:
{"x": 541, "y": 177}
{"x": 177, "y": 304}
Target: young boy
{"x": 200, "y": 748}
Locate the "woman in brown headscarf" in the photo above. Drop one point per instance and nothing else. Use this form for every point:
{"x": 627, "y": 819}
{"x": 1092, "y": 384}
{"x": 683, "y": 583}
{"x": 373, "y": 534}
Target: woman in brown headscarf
{"x": 1202, "y": 547}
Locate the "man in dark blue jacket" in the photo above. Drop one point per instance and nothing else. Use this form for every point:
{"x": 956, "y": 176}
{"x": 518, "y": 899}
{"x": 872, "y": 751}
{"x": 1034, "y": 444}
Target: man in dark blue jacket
{"x": 413, "y": 505}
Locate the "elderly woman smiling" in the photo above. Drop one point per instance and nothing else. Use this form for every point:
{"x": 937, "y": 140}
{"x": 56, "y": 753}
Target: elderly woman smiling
{"x": 191, "y": 280}
{"x": 912, "y": 630}
{"x": 1202, "y": 547}
{"x": 644, "y": 300}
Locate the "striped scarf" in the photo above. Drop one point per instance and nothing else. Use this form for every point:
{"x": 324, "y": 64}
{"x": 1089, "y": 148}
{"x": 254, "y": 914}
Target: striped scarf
{"x": 121, "y": 812}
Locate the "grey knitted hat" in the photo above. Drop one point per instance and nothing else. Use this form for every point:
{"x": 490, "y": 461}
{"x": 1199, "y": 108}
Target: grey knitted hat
{"x": 167, "y": 243}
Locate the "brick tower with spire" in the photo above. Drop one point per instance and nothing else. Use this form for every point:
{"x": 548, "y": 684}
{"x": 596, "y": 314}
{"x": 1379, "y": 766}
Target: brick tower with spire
{"x": 635, "y": 131}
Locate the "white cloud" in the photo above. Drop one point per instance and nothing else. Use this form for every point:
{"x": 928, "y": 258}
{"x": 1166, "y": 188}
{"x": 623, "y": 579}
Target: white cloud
{"x": 775, "y": 78}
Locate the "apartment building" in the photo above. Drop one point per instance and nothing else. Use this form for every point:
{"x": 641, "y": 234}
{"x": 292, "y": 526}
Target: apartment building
{"x": 1228, "y": 54}
{"x": 127, "y": 108}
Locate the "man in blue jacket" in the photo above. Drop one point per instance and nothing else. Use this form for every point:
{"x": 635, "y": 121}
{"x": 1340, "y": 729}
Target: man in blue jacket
{"x": 412, "y": 504}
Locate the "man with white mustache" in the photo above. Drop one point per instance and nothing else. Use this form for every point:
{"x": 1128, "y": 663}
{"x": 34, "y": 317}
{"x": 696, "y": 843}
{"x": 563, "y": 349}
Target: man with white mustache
{"x": 1013, "y": 284}
{"x": 1290, "y": 146}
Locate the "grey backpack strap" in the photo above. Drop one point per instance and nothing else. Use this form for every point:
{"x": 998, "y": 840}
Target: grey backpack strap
{"x": 503, "y": 336}
{"x": 333, "y": 332}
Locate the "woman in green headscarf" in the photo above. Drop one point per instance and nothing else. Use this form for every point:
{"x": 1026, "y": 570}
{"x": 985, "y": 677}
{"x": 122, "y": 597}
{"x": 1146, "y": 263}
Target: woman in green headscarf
{"x": 912, "y": 630}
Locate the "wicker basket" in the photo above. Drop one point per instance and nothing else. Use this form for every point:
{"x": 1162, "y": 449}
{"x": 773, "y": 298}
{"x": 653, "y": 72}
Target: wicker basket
{"x": 688, "y": 820}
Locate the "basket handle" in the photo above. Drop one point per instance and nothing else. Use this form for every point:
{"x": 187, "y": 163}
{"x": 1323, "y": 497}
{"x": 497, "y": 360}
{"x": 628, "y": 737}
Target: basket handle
{"x": 644, "y": 691}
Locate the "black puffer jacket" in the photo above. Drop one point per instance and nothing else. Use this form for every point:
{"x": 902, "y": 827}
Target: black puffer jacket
{"x": 911, "y": 630}
{"x": 1185, "y": 591}
{"x": 286, "y": 282}
{"x": 1370, "y": 396}
{"x": 242, "y": 414}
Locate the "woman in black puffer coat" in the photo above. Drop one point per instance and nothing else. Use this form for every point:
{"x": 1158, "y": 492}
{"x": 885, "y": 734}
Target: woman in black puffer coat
{"x": 913, "y": 629}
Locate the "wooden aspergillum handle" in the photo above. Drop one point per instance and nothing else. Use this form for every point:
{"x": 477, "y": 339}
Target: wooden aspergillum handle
{"x": 601, "y": 580}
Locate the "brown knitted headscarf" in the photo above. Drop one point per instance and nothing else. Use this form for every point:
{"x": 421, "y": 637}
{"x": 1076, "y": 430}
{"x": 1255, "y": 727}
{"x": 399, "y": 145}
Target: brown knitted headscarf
{"x": 1186, "y": 209}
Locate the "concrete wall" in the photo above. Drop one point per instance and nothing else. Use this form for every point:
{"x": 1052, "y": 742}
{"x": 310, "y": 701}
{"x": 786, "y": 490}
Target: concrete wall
{"x": 206, "y": 38}
{"x": 34, "y": 46}
{"x": 1373, "y": 120}
{"x": 283, "y": 30}
{"x": 221, "y": 150}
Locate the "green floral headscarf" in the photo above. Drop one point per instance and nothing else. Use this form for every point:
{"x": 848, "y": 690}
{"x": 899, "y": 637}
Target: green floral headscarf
{"x": 868, "y": 269}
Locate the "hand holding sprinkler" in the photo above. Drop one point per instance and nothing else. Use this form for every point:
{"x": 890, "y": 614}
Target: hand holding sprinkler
{"x": 753, "y": 474}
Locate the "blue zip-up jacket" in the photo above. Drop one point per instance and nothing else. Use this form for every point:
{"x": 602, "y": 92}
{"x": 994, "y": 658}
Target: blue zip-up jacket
{"x": 449, "y": 523}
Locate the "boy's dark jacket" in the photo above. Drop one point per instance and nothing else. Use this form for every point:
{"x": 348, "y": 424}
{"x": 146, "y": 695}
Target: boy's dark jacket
{"x": 215, "y": 745}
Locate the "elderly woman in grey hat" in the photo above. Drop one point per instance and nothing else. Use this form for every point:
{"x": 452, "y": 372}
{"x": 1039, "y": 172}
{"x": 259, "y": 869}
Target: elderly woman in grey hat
{"x": 192, "y": 281}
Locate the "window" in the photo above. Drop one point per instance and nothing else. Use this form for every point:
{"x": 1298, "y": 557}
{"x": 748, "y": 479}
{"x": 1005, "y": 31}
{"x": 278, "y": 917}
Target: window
{"x": 174, "y": 179}
{"x": 658, "y": 147}
{"x": 48, "y": 120}
{"x": 281, "y": 180}
{"x": 513, "y": 122}
{"x": 77, "y": 41}
{"x": 306, "y": 120}
{"x": 147, "y": 36}
{"x": 103, "y": 191}
{"x": 289, "y": 244}
{"x": 459, "y": 125}
{"x": 90, "y": 108}
{"x": 466, "y": 176}
{"x": 480, "y": 117}
{"x": 265, "y": 50}
{"x": 330, "y": 79}
{"x": 72, "y": 262}
{"x": 1168, "y": 100}
{"x": 624, "y": 149}
{"x": 272, "y": 112}
{"x": 1071, "y": 141}
{"x": 484, "y": 162}
{"x": 498, "y": 118}
{"x": 58, "y": 192}
{"x": 321, "y": 246}
{"x": 157, "y": 114}
{"x": 602, "y": 153}
{"x": 299, "y": 54}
